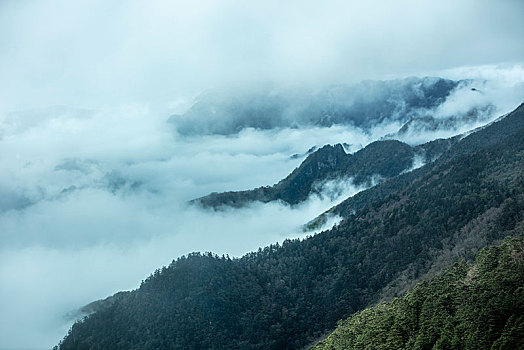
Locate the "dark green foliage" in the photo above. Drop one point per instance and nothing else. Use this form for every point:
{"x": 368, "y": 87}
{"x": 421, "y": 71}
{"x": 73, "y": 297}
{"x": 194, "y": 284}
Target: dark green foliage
{"x": 479, "y": 306}
{"x": 284, "y": 297}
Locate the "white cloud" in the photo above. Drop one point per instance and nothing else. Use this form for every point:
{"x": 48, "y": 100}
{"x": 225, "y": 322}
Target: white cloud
{"x": 89, "y": 53}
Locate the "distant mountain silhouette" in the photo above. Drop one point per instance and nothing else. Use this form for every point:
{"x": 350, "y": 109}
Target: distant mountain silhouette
{"x": 363, "y": 105}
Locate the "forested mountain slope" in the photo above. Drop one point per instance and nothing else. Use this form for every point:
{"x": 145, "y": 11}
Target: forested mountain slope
{"x": 287, "y": 296}
{"x": 477, "y": 306}
{"x": 487, "y": 136}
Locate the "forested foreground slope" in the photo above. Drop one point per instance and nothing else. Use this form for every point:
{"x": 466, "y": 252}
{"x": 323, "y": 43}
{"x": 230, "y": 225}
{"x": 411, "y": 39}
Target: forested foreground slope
{"x": 288, "y": 296}
{"x": 470, "y": 306}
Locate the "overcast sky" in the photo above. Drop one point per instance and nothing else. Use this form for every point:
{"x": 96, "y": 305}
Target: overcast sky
{"x": 97, "y": 52}
{"x": 68, "y": 237}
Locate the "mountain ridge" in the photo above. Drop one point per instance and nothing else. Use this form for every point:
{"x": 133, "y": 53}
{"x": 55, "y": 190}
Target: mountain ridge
{"x": 378, "y": 160}
{"x": 362, "y": 105}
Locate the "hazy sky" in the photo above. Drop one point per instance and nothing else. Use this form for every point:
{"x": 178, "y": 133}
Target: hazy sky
{"x": 96, "y": 52}
{"x": 93, "y": 195}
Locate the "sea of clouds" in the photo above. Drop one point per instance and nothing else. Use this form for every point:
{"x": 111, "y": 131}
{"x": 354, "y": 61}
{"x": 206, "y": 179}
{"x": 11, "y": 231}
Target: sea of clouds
{"x": 94, "y": 180}
{"x": 93, "y": 201}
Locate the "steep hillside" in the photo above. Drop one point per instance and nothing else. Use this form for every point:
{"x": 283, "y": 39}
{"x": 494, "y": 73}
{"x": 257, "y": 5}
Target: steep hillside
{"x": 477, "y": 306}
{"x": 410, "y": 227}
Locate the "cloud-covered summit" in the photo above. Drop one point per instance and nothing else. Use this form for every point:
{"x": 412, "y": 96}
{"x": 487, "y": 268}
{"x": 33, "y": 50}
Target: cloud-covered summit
{"x": 362, "y": 105}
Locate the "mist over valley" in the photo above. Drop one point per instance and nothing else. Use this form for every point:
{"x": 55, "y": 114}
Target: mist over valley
{"x": 134, "y": 135}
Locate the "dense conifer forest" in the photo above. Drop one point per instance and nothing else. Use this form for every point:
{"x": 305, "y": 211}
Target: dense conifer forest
{"x": 470, "y": 306}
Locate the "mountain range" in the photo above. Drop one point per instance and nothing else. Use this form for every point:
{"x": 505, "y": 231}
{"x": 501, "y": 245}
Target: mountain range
{"x": 407, "y": 229}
